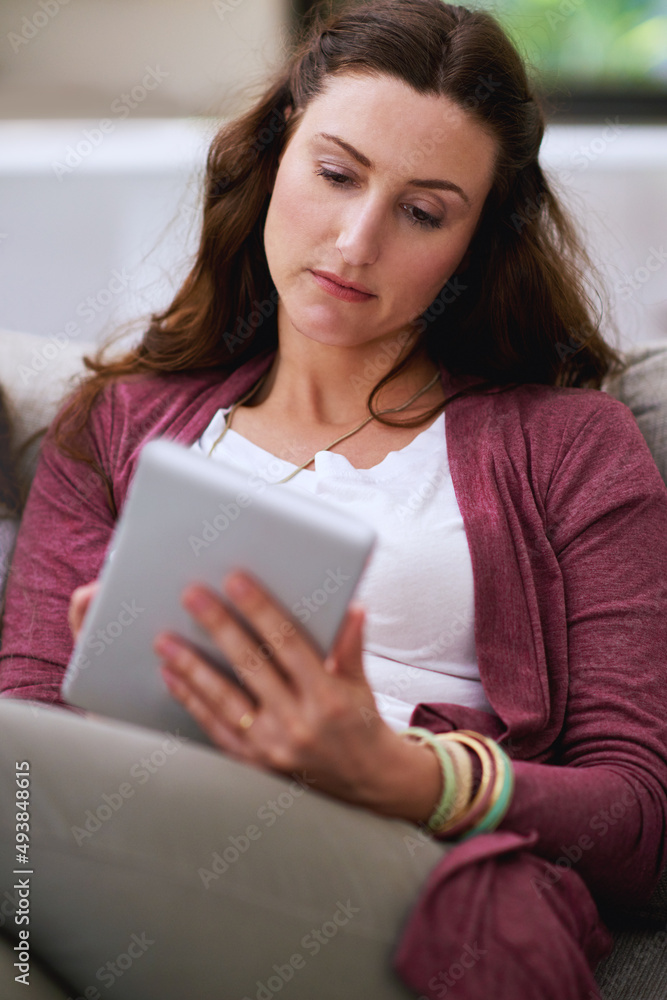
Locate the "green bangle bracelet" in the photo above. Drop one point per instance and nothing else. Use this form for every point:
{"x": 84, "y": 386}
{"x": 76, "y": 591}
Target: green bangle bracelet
{"x": 500, "y": 807}
{"x": 444, "y": 806}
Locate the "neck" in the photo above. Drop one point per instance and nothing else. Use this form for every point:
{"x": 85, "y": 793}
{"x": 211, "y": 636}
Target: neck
{"x": 323, "y": 384}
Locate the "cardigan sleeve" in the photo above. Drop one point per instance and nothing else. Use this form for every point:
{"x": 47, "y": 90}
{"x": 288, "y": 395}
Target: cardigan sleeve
{"x": 61, "y": 543}
{"x": 67, "y": 523}
{"x": 605, "y": 803}
{"x": 599, "y": 804}
{"x": 511, "y": 911}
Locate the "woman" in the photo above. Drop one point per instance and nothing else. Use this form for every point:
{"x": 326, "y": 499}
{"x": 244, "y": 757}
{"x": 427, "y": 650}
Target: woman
{"x": 377, "y": 225}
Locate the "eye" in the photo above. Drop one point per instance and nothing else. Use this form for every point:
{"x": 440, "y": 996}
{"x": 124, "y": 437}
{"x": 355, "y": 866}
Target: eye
{"x": 426, "y": 220}
{"x": 420, "y": 218}
{"x": 333, "y": 176}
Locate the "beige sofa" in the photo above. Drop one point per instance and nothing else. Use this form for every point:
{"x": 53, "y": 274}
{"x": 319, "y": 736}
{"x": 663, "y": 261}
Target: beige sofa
{"x": 35, "y": 374}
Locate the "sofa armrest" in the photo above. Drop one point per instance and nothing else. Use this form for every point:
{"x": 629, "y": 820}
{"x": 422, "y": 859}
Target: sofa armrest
{"x": 36, "y": 373}
{"x": 643, "y": 388}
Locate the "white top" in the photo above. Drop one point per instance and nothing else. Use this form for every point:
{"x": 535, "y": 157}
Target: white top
{"x": 419, "y": 641}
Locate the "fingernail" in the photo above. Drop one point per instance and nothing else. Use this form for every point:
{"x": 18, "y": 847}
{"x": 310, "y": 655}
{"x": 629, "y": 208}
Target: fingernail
{"x": 167, "y": 647}
{"x": 238, "y": 586}
{"x": 197, "y": 601}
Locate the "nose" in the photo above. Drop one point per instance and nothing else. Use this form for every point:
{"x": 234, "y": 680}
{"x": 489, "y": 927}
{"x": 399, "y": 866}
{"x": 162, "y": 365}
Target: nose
{"x": 360, "y": 233}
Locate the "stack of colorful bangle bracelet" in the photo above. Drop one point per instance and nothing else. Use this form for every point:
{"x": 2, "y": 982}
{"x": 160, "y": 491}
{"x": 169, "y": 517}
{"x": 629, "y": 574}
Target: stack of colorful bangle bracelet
{"x": 460, "y": 813}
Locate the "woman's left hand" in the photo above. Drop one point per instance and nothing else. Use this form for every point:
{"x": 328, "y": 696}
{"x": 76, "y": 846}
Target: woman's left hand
{"x": 79, "y": 604}
{"x": 298, "y": 712}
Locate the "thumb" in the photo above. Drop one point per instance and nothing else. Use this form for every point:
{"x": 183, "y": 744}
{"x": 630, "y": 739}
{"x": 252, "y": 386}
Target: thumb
{"x": 79, "y": 604}
{"x": 346, "y": 656}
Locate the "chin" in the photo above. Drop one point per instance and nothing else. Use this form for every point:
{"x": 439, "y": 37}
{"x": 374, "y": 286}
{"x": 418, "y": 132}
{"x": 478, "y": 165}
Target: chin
{"x": 327, "y": 336}
{"x": 325, "y": 325}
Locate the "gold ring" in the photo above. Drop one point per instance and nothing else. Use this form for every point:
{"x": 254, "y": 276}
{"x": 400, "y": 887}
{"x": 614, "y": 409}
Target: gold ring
{"x": 246, "y": 720}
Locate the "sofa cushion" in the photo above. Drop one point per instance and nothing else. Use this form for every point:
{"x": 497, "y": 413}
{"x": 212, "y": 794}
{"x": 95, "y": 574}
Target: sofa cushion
{"x": 36, "y": 374}
{"x": 636, "y": 968}
{"x": 643, "y": 388}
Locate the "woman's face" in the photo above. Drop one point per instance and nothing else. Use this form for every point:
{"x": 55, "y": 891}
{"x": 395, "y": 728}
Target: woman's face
{"x": 379, "y": 186}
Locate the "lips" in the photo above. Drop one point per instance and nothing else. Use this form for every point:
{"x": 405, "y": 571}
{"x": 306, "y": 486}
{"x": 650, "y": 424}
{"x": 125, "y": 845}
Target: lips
{"x": 334, "y": 285}
{"x": 345, "y": 284}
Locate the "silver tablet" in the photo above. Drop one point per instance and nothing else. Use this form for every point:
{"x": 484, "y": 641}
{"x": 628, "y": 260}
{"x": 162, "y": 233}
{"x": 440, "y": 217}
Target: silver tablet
{"x": 189, "y": 519}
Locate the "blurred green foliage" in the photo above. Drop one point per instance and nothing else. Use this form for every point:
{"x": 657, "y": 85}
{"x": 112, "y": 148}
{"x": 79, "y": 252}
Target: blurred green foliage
{"x": 598, "y": 43}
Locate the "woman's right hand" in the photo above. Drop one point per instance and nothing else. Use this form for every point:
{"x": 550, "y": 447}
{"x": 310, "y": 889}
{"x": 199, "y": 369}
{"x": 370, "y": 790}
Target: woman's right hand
{"x": 78, "y": 605}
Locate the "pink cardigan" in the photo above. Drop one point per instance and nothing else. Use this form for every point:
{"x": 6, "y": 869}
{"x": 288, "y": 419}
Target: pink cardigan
{"x": 565, "y": 514}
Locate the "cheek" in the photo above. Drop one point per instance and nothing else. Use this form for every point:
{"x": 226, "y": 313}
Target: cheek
{"x": 290, "y": 220}
{"x": 427, "y": 274}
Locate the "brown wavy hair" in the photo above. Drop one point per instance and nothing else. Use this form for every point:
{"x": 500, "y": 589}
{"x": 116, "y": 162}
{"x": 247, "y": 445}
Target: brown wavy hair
{"x": 520, "y": 312}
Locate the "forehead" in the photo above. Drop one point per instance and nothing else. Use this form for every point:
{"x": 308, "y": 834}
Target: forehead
{"x": 404, "y": 133}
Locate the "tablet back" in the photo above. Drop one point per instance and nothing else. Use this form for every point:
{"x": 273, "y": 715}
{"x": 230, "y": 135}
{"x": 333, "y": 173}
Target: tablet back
{"x": 188, "y": 519}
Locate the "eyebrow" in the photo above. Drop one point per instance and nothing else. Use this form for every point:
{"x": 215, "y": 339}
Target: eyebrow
{"x": 365, "y": 162}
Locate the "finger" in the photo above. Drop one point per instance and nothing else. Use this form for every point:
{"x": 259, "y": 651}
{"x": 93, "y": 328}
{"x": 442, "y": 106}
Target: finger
{"x": 222, "y": 734}
{"x": 346, "y": 658}
{"x": 265, "y": 653}
{"x": 251, "y": 658}
{"x": 79, "y": 603}
{"x": 75, "y": 611}
{"x": 215, "y": 703}
{"x": 290, "y": 647}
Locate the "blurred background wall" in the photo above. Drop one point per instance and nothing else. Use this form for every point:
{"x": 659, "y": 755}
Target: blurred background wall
{"x": 72, "y": 58}
{"x": 107, "y": 106}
